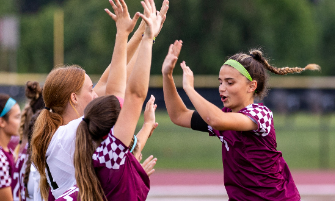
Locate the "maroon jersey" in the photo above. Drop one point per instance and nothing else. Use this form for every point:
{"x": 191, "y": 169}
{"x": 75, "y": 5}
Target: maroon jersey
{"x": 19, "y": 170}
{"x": 6, "y": 169}
{"x": 253, "y": 168}
{"x": 121, "y": 175}
{"x": 14, "y": 141}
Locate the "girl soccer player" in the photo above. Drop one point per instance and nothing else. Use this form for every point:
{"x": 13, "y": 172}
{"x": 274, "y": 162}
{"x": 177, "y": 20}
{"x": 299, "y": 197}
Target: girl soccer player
{"x": 34, "y": 93}
{"x": 115, "y": 173}
{"x": 10, "y": 116}
{"x": 253, "y": 168}
{"x": 66, "y": 93}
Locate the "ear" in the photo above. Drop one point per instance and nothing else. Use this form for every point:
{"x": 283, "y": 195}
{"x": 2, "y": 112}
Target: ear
{"x": 2, "y": 122}
{"x": 73, "y": 98}
{"x": 252, "y": 86}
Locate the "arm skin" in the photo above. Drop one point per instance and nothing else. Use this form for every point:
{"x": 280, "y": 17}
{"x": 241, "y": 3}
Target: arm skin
{"x": 210, "y": 113}
{"x": 132, "y": 48}
{"x": 178, "y": 112}
{"x": 118, "y": 74}
{"x": 138, "y": 83}
{"x": 149, "y": 124}
{"x": 6, "y": 194}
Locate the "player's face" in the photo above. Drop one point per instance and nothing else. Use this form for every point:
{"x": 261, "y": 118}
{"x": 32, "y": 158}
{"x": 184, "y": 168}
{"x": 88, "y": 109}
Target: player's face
{"x": 11, "y": 127}
{"x": 233, "y": 88}
{"x": 85, "y": 95}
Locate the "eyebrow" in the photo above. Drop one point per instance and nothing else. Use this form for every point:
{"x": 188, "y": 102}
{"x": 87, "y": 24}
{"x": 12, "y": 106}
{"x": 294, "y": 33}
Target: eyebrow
{"x": 226, "y": 79}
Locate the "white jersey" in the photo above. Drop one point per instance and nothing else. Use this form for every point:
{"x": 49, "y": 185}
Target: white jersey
{"x": 60, "y": 158}
{"x": 33, "y": 185}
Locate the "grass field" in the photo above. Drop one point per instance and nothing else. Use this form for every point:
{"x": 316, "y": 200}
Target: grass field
{"x": 298, "y": 137}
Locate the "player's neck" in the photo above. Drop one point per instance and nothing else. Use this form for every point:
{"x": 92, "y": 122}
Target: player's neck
{"x": 4, "y": 140}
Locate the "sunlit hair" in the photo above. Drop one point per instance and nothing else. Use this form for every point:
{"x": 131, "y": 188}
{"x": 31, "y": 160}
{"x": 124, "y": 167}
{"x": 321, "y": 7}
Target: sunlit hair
{"x": 257, "y": 65}
{"x": 100, "y": 116}
{"x": 59, "y": 85}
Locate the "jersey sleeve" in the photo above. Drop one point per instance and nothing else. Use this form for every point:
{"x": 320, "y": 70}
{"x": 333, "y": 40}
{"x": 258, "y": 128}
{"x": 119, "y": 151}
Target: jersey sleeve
{"x": 197, "y": 123}
{"x": 5, "y": 178}
{"x": 262, "y": 116}
{"x": 111, "y": 153}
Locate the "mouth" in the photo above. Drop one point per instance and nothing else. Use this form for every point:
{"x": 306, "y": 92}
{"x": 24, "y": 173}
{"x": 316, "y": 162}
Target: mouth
{"x": 223, "y": 98}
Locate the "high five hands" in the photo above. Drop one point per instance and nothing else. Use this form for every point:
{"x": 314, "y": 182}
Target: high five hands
{"x": 170, "y": 63}
{"x": 121, "y": 17}
{"x": 153, "y": 19}
{"x": 172, "y": 57}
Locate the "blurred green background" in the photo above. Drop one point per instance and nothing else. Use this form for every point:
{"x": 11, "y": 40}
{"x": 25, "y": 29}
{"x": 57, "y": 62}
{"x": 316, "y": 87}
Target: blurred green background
{"x": 291, "y": 32}
{"x": 299, "y": 137}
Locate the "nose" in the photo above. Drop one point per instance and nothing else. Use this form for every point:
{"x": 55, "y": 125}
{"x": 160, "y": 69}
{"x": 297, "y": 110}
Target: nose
{"x": 95, "y": 95}
{"x": 222, "y": 88}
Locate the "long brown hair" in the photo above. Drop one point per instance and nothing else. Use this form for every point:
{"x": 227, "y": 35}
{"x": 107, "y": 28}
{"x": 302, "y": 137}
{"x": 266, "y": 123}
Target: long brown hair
{"x": 59, "y": 85}
{"x": 256, "y": 64}
{"x": 100, "y": 116}
{"x": 34, "y": 93}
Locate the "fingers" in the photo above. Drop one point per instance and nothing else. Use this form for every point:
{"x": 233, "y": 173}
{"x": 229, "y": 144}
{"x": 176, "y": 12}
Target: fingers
{"x": 147, "y": 9}
{"x": 110, "y": 14}
{"x": 124, "y": 7}
{"x": 153, "y": 6}
{"x": 135, "y": 18}
{"x": 164, "y": 8}
{"x": 148, "y": 165}
{"x": 145, "y": 163}
{"x": 183, "y": 66}
{"x": 113, "y": 6}
{"x": 177, "y": 47}
{"x": 119, "y": 6}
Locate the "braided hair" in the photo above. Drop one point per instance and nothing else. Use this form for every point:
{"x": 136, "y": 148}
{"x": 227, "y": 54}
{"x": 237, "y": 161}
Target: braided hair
{"x": 256, "y": 64}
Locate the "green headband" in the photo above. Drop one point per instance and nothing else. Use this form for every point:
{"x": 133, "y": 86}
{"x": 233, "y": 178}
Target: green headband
{"x": 239, "y": 67}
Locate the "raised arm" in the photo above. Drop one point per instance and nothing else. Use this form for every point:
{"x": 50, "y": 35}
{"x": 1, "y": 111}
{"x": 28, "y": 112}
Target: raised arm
{"x": 117, "y": 78}
{"x": 149, "y": 124}
{"x": 210, "y": 113}
{"x": 178, "y": 112}
{"x": 132, "y": 47}
{"x": 138, "y": 83}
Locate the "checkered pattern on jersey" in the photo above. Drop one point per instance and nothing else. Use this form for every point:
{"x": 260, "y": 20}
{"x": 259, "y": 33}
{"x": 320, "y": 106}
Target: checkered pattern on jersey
{"x": 111, "y": 152}
{"x": 5, "y": 179}
{"x": 262, "y": 115}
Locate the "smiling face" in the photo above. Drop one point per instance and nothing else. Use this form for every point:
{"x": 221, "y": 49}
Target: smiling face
{"x": 236, "y": 91}
{"x": 11, "y": 126}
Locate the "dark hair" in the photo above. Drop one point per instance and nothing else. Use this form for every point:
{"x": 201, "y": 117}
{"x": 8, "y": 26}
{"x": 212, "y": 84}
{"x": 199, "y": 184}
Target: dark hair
{"x": 3, "y": 100}
{"x": 257, "y": 65}
{"x": 100, "y": 116}
{"x": 34, "y": 93}
{"x": 29, "y": 162}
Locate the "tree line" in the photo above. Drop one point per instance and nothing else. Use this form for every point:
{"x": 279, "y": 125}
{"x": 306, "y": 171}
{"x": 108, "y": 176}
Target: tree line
{"x": 291, "y": 33}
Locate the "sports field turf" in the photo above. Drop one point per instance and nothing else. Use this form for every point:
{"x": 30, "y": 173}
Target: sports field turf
{"x": 298, "y": 137}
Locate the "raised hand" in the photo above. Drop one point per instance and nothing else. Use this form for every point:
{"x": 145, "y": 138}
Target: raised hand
{"x": 162, "y": 12}
{"x": 124, "y": 23}
{"x": 152, "y": 18}
{"x": 172, "y": 57}
{"x": 149, "y": 164}
{"x": 149, "y": 114}
{"x": 188, "y": 78}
